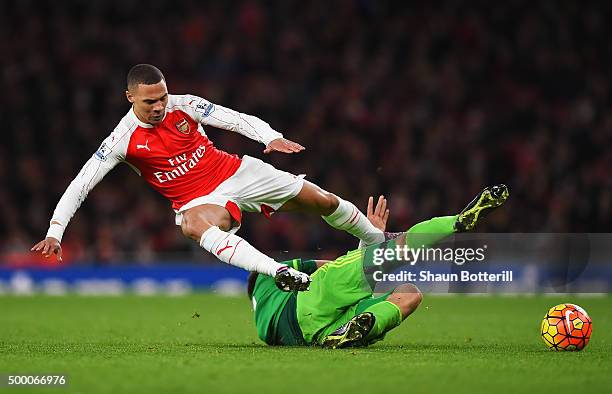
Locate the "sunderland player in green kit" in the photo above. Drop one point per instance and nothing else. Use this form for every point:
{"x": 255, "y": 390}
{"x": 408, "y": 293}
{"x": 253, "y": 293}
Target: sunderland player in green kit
{"x": 340, "y": 309}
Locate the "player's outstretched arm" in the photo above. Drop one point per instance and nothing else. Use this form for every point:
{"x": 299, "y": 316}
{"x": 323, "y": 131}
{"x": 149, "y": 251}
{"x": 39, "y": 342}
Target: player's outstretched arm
{"x": 110, "y": 153}
{"x": 250, "y": 126}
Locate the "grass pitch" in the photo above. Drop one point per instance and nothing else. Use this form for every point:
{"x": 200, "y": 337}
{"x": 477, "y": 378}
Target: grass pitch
{"x": 158, "y": 344}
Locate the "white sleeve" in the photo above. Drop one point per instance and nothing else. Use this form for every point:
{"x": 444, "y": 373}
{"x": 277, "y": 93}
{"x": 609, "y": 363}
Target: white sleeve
{"x": 106, "y": 158}
{"x": 224, "y": 118}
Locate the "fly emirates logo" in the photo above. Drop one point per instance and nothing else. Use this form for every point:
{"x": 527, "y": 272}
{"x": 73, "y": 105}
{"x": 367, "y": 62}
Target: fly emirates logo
{"x": 182, "y": 165}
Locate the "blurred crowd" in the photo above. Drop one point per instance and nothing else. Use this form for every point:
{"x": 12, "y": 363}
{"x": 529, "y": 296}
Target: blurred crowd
{"x": 424, "y": 102}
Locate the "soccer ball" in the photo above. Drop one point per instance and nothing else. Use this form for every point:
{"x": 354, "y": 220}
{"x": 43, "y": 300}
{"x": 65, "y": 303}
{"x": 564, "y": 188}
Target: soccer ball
{"x": 566, "y": 327}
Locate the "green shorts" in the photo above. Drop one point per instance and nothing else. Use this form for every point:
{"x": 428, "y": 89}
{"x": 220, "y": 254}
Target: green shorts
{"x": 338, "y": 292}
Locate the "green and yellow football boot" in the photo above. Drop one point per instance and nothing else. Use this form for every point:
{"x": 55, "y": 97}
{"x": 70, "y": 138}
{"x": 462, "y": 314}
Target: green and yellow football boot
{"x": 352, "y": 333}
{"x": 491, "y": 197}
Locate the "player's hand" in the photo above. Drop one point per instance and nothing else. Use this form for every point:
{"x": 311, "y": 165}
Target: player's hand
{"x": 289, "y": 279}
{"x": 378, "y": 216}
{"x": 49, "y": 246}
{"x": 283, "y": 145}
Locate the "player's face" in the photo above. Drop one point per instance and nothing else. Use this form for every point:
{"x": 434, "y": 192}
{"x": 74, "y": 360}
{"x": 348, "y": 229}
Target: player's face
{"x": 149, "y": 101}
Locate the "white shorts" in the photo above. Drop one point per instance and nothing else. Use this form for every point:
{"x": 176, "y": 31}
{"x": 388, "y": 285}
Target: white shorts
{"x": 256, "y": 187}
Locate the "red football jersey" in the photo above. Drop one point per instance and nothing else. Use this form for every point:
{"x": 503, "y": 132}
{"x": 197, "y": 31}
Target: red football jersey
{"x": 175, "y": 156}
{"x": 177, "y": 160}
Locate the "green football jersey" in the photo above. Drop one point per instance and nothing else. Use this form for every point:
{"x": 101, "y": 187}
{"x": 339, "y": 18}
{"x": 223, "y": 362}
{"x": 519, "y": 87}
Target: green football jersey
{"x": 270, "y": 303}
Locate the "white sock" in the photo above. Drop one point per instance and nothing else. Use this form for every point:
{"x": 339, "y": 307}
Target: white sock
{"x": 350, "y": 219}
{"x": 234, "y": 250}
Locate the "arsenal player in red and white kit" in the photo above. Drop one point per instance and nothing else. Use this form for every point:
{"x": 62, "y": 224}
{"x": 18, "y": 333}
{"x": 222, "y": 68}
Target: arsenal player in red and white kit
{"x": 162, "y": 138}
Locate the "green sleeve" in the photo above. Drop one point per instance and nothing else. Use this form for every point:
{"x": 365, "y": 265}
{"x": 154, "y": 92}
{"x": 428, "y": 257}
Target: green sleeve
{"x": 369, "y": 252}
{"x": 306, "y": 266}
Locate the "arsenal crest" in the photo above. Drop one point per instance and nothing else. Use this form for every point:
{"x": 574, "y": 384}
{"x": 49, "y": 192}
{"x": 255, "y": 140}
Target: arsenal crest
{"x": 183, "y": 126}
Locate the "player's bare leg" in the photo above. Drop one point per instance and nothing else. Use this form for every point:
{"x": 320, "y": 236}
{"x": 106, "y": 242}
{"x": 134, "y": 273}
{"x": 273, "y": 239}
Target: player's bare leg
{"x": 199, "y": 219}
{"x": 407, "y": 297}
{"x": 312, "y": 199}
{"x": 339, "y": 213}
{"x": 208, "y": 225}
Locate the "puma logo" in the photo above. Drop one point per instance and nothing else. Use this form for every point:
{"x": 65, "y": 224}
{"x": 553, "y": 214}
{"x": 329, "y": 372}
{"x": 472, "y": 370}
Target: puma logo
{"x": 145, "y": 146}
{"x": 227, "y": 246}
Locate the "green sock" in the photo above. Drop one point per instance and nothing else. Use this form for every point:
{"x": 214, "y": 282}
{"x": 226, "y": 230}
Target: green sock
{"x": 388, "y": 316}
{"x": 426, "y": 234}
{"x": 430, "y": 232}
